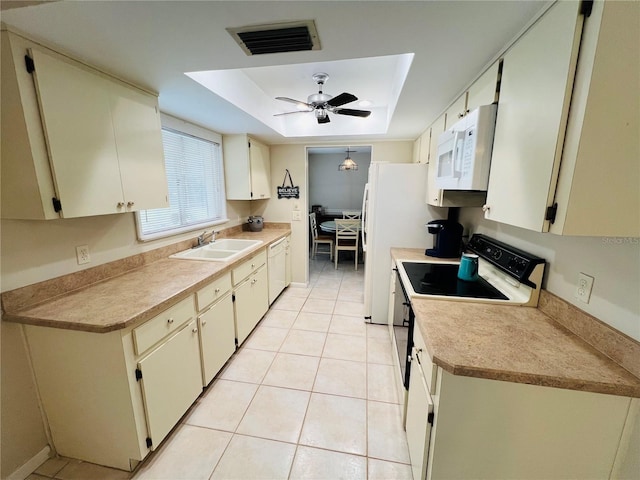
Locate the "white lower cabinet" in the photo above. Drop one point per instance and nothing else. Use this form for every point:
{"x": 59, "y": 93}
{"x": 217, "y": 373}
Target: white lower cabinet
{"x": 419, "y": 418}
{"x": 171, "y": 381}
{"x": 495, "y": 429}
{"x": 252, "y": 302}
{"x": 112, "y": 397}
{"x": 217, "y": 337}
{"x": 251, "y": 294}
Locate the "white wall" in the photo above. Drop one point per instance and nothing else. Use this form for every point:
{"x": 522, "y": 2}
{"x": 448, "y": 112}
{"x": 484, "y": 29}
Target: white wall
{"x": 334, "y": 189}
{"x": 613, "y": 262}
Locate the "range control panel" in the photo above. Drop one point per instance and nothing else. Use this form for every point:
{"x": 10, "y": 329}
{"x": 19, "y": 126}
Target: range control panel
{"x": 509, "y": 259}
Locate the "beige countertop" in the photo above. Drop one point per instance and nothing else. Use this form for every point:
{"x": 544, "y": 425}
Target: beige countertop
{"x": 134, "y": 296}
{"x": 513, "y": 343}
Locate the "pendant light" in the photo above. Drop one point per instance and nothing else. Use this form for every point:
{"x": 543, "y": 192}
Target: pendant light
{"x": 348, "y": 163}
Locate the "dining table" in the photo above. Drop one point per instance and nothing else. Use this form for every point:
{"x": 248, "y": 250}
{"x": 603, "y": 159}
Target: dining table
{"x": 330, "y": 226}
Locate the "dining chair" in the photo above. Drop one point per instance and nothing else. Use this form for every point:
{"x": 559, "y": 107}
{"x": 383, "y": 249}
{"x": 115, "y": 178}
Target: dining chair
{"x": 347, "y": 233}
{"x": 351, "y": 214}
{"x": 319, "y": 239}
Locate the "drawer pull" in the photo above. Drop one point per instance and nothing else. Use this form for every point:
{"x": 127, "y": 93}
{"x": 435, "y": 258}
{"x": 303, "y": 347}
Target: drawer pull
{"x": 254, "y": 281}
{"x": 170, "y": 321}
{"x": 253, "y": 265}
{"x": 195, "y": 330}
{"x": 217, "y": 290}
{"x": 204, "y": 322}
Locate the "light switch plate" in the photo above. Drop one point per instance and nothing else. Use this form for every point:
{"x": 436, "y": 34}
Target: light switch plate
{"x": 296, "y": 215}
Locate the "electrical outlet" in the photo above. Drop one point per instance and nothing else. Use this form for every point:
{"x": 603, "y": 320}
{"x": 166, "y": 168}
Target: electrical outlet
{"x": 82, "y": 254}
{"x": 296, "y": 215}
{"x": 585, "y": 284}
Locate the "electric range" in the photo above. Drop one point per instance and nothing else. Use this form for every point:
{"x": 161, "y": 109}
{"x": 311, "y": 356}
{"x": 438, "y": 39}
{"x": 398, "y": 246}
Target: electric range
{"x": 506, "y": 275}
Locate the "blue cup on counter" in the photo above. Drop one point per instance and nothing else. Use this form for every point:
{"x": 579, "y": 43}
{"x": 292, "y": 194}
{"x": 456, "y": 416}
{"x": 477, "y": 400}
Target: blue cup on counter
{"x": 468, "y": 269}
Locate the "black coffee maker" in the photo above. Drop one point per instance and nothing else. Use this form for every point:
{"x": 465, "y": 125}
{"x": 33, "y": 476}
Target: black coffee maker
{"x": 448, "y": 241}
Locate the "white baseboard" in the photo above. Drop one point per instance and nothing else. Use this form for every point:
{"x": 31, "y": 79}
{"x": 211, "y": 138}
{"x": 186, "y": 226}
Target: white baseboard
{"x": 31, "y": 465}
{"x": 299, "y": 284}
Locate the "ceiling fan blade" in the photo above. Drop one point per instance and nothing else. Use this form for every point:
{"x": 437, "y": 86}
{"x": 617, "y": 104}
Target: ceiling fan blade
{"x": 324, "y": 119}
{"x": 342, "y": 99}
{"x": 297, "y": 102}
{"x": 289, "y": 113}
{"x": 352, "y": 112}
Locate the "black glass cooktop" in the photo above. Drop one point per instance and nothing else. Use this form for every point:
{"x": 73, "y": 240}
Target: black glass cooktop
{"x": 442, "y": 279}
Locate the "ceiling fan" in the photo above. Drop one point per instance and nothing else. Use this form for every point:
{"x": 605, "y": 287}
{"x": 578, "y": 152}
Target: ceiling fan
{"x": 322, "y": 103}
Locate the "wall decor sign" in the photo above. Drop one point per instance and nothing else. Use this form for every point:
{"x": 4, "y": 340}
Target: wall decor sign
{"x": 288, "y": 191}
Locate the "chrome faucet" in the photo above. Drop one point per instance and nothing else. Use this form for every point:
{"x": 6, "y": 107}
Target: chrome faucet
{"x": 201, "y": 238}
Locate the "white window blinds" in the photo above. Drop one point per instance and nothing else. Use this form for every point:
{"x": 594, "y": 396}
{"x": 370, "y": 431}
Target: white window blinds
{"x": 196, "y": 187}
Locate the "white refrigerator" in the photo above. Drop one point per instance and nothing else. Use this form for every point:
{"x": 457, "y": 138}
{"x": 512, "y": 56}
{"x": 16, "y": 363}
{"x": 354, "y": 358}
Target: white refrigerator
{"x": 394, "y": 214}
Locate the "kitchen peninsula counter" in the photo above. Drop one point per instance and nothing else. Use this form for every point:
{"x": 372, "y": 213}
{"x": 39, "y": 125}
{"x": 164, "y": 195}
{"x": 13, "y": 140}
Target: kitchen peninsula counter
{"x": 132, "y": 297}
{"x": 515, "y": 344}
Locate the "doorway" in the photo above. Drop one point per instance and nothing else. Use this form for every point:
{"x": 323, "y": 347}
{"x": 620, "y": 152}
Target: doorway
{"x": 331, "y": 191}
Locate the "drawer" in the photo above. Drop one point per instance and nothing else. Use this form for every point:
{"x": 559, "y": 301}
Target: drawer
{"x": 245, "y": 269}
{"x": 428, "y": 368}
{"x": 212, "y": 292}
{"x": 151, "y": 332}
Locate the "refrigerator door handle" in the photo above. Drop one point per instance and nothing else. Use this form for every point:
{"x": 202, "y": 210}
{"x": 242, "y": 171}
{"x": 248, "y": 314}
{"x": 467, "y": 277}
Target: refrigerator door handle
{"x": 365, "y": 206}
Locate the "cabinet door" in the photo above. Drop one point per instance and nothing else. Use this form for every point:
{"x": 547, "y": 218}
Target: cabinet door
{"x": 419, "y": 408}
{"x": 252, "y": 302}
{"x": 425, "y": 145}
{"x": 456, "y": 111}
{"x": 483, "y": 90}
{"x": 217, "y": 337}
{"x": 75, "y": 111}
{"x": 136, "y": 123}
{"x": 434, "y": 194}
{"x": 536, "y": 83}
{"x": 171, "y": 381}
{"x": 260, "y": 170}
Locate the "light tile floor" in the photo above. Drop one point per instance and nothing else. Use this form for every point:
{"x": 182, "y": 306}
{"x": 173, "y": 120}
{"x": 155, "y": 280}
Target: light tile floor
{"x": 310, "y": 395}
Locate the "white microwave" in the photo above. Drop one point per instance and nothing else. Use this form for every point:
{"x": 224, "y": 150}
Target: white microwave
{"x": 464, "y": 151}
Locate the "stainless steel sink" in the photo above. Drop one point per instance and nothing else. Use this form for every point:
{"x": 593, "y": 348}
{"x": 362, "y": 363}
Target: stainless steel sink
{"x": 221, "y": 250}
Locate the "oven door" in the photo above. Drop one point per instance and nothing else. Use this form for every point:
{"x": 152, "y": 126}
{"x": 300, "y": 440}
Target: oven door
{"x": 403, "y": 320}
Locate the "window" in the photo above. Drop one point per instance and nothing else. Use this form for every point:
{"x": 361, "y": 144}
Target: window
{"x": 195, "y": 177}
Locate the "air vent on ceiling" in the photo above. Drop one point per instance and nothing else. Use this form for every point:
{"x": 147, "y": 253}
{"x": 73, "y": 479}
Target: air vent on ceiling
{"x": 277, "y": 37}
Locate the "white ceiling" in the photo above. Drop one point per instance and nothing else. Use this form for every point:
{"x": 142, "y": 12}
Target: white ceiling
{"x": 154, "y": 43}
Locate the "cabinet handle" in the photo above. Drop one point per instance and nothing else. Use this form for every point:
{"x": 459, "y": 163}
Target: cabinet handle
{"x": 195, "y": 330}
{"x": 253, "y": 265}
{"x": 486, "y": 208}
{"x": 170, "y": 321}
{"x": 204, "y": 322}
{"x": 217, "y": 290}
{"x": 130, "y": 204}
{"x": 120, "y": 204}
{"x": 254, "y": 281}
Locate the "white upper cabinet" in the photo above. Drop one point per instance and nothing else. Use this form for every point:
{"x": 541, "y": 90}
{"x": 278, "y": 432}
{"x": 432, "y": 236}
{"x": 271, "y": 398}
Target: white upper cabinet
{"x": 484, "y": 89}
{"x": 434, "y": 194}
{"x": 570, "y": 171}
{"x": 598, "y": 190}
{"x": 247, "y": 168}
{"x": 421, "y": 147}
{"x": 535, "y": 89}
{"x": 456, "y": 111}
{"x": 89, "y": 141}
